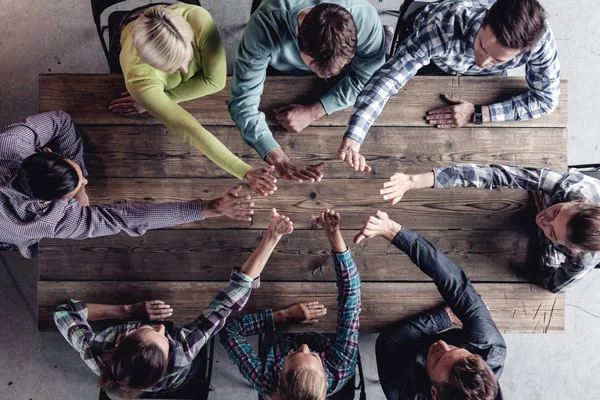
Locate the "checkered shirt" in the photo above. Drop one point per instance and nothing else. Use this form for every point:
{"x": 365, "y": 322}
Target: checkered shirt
{"x": 184, "y": 342}
{"x": 560, "y": 269}
{"x": 444, "y": 33}
{"x": 339, "y": 357}
{"x": 24, "y": 221}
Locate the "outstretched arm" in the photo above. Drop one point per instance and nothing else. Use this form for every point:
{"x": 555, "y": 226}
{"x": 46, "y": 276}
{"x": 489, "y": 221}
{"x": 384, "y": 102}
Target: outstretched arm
{"x": 493, "y": 176}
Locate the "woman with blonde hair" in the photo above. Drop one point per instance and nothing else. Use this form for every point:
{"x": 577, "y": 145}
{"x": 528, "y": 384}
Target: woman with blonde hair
{"x": 174, "y": 54}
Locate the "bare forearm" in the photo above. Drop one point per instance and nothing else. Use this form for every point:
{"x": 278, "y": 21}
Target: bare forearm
{"x": 422, "y": 181}
{"x": 336, "y": 241}
{"x": 276, "y": 156}
{"x": 97, "y": 312}
{"x": 256, "y": 262}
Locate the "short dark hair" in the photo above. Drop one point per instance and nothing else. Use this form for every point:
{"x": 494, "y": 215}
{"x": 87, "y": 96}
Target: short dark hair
{"x": 583, "y": 229}
{"x": 47, "y": 176}
{"x": 327, "y": 35}
{"x": 470, "y": 379}
{"x": 135, "y": 365}
{"x": 517, "y": 24}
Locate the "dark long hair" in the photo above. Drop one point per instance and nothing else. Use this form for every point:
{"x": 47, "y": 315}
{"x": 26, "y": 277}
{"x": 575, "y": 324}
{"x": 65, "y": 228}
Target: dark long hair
{"x": 135, "y": 365}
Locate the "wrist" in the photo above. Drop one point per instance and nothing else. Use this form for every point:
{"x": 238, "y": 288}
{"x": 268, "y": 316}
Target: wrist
{"x": 317, "y": 110}
{"x": 209, "y": 208}
{"x": 393, "y": 230}
{"x": 336, "y": 241}
{"x": 422, "y": 181}
{"x": 487, "y": 115}
{"x": 126, "y": 311}
{"x": 271, "y": 237}
{"x": 280, "y": 316}
{"x": 276, "y": 156}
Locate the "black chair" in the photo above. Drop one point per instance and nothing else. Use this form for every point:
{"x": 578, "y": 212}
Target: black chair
{"x": 408, "y": 11}
{"x": 112, "y": 50}
{"x": 348, "y": 392}
{"x": 592, "y": 170}
{"x": 196, "y": 387}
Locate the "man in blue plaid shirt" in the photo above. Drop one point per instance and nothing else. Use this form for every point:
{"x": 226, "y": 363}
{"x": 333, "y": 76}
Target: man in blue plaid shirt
{"x": 466, "y": 37}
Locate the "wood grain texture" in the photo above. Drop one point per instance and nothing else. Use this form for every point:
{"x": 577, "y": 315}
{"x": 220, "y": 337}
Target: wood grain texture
{"x": 153, "y": 151}
{"x": 517, "y": 307}
{"x": 87, "y": 97}
{"x": 209, "y": 255}
{"x": 421, "y": 209}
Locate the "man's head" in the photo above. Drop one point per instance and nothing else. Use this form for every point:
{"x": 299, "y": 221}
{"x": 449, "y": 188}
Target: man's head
{"x": 139, "y": 361}
{"x": 303, "y": 376}
{"x": 457, "y": 373}
{"x": 509, "y": 28}
{"x": 575, "y": 225}
{"x": 327, "y": 39}
{"x": 49, "y": 176}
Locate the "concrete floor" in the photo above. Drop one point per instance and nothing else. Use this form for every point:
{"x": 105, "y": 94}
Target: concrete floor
{"x": 59, "y": 36}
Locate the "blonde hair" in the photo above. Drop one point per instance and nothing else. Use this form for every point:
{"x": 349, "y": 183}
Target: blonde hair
{"x": 303, "y": 383}
{"x": 161, "y": 36}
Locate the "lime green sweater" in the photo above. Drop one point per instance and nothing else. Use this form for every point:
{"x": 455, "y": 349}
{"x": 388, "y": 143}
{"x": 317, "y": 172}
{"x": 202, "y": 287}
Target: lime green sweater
{"x": 159, "y": 92}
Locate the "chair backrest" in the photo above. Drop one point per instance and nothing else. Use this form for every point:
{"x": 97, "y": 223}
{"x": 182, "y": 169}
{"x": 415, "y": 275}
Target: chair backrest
{"x": 98, "y": 6}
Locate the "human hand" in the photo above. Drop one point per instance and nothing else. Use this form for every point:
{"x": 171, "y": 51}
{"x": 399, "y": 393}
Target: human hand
{"x": 349, "y": 152}
{"x": 328, "y": 219}
{"x": 291, "y": 171}
{"x": 82, "y": 197}
{"x": 395, "y": 188}
{"x": 306, "y": 313}
{"x": 279, "y": 225}
{"x": 455, "y": 320}
{"x": 379, "y": 225}
{"x": 126, "y": 105}
{"x": 231, "y": 205}
{"x": 455, "y": 116}
{"x": 295, "y": 117}
{"x": 261, "y": 181}
{"x": 150, "y": 310}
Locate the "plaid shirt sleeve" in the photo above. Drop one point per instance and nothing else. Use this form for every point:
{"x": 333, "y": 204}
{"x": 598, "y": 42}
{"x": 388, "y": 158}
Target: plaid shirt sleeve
{"x": 233, "y": 338}
{"x": 232, "y": 297}
{"x": 71, "y": 321}
{"x": 558, "y": 272}
{"x": 68, "y": 219}
{"x": 342, "y": 355}
{"x": 497, "y": 177}
{"x": 543, "y": 78}
{"x": 415, "y": 52}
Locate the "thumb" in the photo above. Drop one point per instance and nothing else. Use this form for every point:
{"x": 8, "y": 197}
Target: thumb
{"x": 454, "y": 99}
{"x": 319, "y": 166}
{"x": 270, "y": 168}
{"x": 359, "y": 238}
{"x": 125, "y": 93}
{"x": 274, "y": 213}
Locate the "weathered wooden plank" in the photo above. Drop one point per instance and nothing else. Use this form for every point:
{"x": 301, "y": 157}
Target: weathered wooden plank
{"x": 514, "y": 307}
{"x": 153, "y": 151}
{"x": 209, "y": 255}
{"x": 421, "y": 209}
{"x": 87, "y": 97}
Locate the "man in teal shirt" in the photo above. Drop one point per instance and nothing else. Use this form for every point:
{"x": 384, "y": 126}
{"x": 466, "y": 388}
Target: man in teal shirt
{"x": 298, "y": 37}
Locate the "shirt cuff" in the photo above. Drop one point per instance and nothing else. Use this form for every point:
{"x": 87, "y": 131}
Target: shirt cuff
{"x": 264, "y": 145}
{"x": 242, "y": 279}
{"x": 269, "y": 321}
{"x": 437, "y": 182}
{"x": 191, "y": 211}
{"x": 330, "y": 104}
{"x": 359, "y": 139}
{"x": 255, "y": 283}
{"x": 497, "y": 113}
{"x": 405, "y": 239}
{"x": 344, "y": 257}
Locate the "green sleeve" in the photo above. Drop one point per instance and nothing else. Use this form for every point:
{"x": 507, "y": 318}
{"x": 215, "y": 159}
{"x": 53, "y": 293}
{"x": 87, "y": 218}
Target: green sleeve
{"x": 149, "y": 92}
{"x": 211, "y": 56}
{"x": 249, "y": 75}
{"x": 370, "y": 56}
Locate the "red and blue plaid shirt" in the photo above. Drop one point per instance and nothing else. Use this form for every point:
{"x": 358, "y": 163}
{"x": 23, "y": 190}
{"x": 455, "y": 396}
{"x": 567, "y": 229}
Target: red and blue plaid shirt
{"x": 339, "y": 355}
{"x": 184, "y": 342}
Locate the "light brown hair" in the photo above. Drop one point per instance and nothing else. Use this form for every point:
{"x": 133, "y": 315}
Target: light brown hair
{"x": 327, "y": 35}
{"x": 583, "y": 229}
{"x": 470, "y": 379}
{"x": 161, "y": 37}
{"x": 303, "y": 383}
{"x": 517, "y": 24}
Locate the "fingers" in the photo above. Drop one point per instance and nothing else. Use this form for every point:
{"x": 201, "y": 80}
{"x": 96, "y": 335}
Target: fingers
{"x": 152, "y": 302}
{"x": 125, "y": 93}
{"x": 274, "y": 213}
{"x": 442, "y": 110}
{"x": 269, "y": 169}
{"x": 235, "y": 191}
{"x": 359, "y": 238}
{"x": 447, "y": 126}
{"x": 282, "y": 108}
{"x": 387, "y": 190}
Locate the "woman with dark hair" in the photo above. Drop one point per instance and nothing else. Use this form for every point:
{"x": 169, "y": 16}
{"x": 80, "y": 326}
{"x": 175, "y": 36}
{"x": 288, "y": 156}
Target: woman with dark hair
{"x": 142, "y": 355}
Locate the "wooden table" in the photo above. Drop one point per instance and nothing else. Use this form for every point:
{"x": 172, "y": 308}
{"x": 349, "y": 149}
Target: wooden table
{"x": 138, "y": 160}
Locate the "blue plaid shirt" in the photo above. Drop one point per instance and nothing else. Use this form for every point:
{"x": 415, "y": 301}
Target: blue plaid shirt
{"x": 339, "y": 356}
{"x": 444, "y": 33}
{"x": 560, "y": 269}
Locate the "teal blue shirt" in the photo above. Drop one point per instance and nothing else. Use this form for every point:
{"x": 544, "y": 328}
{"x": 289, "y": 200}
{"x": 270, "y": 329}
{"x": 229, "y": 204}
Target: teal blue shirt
{"x": 270, "y": 38}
